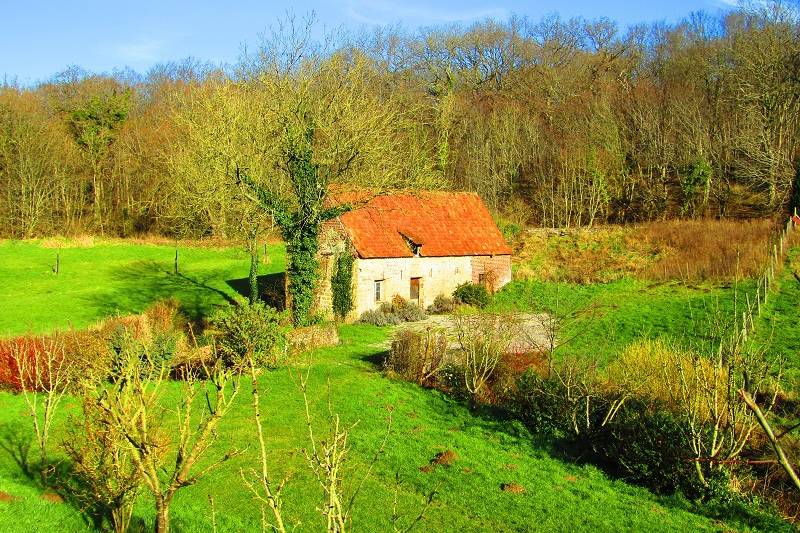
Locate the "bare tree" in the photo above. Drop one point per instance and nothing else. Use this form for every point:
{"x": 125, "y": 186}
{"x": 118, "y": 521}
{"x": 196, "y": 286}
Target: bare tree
{"x": 43, "y": 381}
{"x": 327, "y": 457}
{"x": 483, "y": 340}
{"x": 106, "y": 480}
{"x": 263, "y": 489}
{"x": 135, "y": 404}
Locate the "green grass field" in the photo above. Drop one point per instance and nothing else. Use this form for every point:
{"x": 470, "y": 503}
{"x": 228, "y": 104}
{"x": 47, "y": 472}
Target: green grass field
{"x": 113, "y": 278}
{"x": 779, "y": 325}
{"x": 559, "y": 496}
{"x": 607, "y": 317}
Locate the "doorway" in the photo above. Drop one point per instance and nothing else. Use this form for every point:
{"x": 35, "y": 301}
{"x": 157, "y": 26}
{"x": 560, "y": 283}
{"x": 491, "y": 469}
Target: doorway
{"x": 414, "y": 290}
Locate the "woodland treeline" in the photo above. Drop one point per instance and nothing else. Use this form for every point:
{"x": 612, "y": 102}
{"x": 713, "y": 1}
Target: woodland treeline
{"x": 553, "y": 122}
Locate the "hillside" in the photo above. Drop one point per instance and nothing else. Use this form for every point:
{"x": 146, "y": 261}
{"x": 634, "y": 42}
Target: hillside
{"x": 490, "y": 451}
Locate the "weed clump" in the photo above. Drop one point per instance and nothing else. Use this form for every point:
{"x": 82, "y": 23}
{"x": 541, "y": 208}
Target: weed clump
{"x": 248, "y": 331}
{"x": 472, "y": 294}
{"x": 397, "y": 311}
{"x": 442, "y": 305}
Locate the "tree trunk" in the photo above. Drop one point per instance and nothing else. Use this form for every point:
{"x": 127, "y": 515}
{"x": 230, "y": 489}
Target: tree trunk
{"x": 302, "y": 269}
{"x": 162, "y": 516}
{"x": 252, "y": 246}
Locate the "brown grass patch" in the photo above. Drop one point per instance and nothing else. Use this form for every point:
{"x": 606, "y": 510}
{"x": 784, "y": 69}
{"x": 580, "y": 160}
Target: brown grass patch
{"x": 688, "y": 250}
{"x": 445, "y": 458}
{"x": 582, "y": 255}
{"x": 78, "y": 241}
{"x": 699, "y": 250}
{"x": 52, "y": 497}
{"x": 513, "y": 488}
{"x": 6, "y": 497}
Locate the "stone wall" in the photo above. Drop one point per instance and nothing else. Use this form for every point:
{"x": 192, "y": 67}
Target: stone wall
{"x": 312, "y": 337}
{"x": 323, "y": 295}
{"x": 494, "y": 271}
{"x": 438, "y": 275}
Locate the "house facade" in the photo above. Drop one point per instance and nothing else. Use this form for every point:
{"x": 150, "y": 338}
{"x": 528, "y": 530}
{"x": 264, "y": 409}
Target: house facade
{"x": 414, "y": 245}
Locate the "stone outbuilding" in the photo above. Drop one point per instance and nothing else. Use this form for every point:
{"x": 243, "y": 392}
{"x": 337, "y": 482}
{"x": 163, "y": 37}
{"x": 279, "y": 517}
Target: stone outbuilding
{"x": 415, "y": 245}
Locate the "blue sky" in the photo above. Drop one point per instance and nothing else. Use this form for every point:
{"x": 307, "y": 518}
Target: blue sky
{"x": 38, "y": 39}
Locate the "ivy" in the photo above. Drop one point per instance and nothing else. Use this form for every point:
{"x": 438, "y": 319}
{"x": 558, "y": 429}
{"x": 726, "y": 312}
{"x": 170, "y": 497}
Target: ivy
{"x": 300, "y": 221}
{"x": 342, "y": 285}
{"x": 698, "y": 178}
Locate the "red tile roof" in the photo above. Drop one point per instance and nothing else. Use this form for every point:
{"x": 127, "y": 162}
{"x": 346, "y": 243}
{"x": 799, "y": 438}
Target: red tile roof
{"x": 443, "y": 223}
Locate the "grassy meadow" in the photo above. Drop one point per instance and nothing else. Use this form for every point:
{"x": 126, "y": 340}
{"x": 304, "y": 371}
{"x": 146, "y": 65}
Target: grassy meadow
{"x": 559, "y": 496}
{"x": 106, "y": 278}
{"x": 113, "y": 277}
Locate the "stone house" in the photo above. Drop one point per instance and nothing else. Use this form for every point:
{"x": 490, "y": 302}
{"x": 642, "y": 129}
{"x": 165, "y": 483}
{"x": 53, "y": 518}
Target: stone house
{"x": 415, "y": 245}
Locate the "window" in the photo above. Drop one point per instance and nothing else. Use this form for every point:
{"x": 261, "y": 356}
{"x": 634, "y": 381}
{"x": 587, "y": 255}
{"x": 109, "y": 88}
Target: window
{"x": 378, "y": 290}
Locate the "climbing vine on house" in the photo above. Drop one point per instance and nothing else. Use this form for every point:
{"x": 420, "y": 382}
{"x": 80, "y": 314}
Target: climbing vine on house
{"x": 342, "y": 285}
{"x": 299, "y": 222}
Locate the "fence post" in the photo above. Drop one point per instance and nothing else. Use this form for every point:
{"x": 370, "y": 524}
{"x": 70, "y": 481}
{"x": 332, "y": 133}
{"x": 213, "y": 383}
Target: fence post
{"x": 744, "y": 326}
{"x": 758, "y": 297}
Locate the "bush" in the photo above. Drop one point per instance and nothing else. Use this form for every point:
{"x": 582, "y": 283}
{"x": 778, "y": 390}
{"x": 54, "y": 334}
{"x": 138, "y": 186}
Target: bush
{"x": 389, "y": 314}
{"x": 645, "y": 445}
{"x": 411, "y": 313}
{"x": 248, "y": 330}
{"x": 376, "y": 317}
{"x": 153, "y": 354}
{"x": 442, "y": 305}
{"x": 418, "y": 357}
{"x": 31, "y": 354}
{"x": 510, "y": 231}
{"x": 472, "y": 294}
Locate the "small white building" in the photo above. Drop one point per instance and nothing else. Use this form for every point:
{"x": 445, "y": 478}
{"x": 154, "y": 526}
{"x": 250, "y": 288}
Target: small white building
{"x": 417, "y": 246}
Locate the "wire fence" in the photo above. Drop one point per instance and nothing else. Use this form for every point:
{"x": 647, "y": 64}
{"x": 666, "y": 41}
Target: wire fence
{"x": 766, "y": 282}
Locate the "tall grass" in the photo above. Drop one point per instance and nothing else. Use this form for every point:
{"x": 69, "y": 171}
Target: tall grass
{"x": 708, "y": 250}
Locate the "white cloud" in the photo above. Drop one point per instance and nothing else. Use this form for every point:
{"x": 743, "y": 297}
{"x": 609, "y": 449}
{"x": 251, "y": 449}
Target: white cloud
{"x": 141, "y": 51}
{"x": 389, "y": 11}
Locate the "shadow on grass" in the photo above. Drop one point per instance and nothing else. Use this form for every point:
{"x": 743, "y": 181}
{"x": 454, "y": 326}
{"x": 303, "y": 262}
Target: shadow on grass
{"x": 497, "y": 419}
{"x": 139, "y": 284}
{"x": 59, "y": 480}
{"x": 270, "y": 289}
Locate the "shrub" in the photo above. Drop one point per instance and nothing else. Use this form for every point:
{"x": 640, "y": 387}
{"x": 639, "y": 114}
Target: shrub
{"x": 411, "y": 313}
{"x": 442, "y": 305}
{"x": 389, "y": 314}
{"x": 418, "y": 357}
{"x": 36, "y": 362}
{"x": 248, "y": 330}
{"x": 376, "y": 317}
{"x": 644, "y": 445}
{"x": 510, "y": 231}
{"x": 472, "y": 294}
{"x": 483, "y": 339}
{"x": 154, "y": 354}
